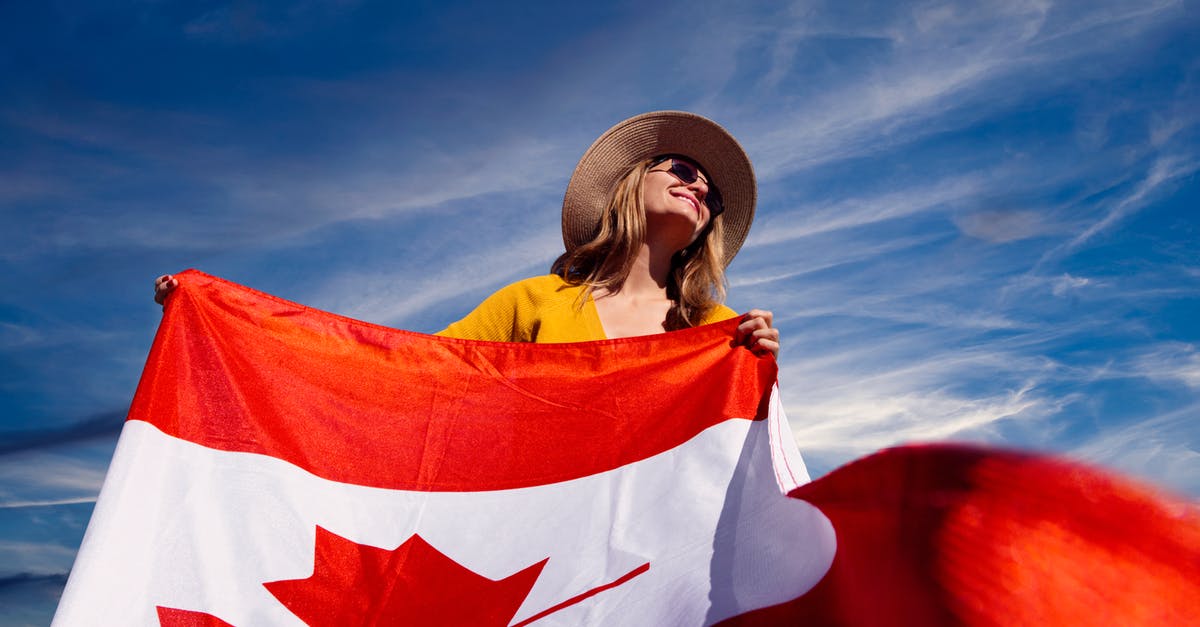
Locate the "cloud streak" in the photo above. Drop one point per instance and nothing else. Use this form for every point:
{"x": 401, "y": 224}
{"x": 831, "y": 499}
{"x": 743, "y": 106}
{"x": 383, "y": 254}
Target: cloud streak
{"x": 1161, "y": 449}
{"x": 1164, "y": 170}
{"x": 103, "y": 425}
{"x": 932, "y": 75}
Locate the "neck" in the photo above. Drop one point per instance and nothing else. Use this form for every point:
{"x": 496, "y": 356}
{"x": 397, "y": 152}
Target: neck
{"x": 651, "y": 270}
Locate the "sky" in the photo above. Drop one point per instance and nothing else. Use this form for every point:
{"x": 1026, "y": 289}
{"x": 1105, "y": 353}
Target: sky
{"x": 977, "y": 221}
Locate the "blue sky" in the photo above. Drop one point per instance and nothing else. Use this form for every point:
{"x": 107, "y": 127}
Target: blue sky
{"x": 977, "y": 221}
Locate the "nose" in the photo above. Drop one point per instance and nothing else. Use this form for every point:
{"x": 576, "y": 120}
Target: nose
{"x": 699, "y": 187}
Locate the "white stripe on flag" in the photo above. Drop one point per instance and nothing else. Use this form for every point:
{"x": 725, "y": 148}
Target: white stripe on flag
{"x": 183, "y": 526}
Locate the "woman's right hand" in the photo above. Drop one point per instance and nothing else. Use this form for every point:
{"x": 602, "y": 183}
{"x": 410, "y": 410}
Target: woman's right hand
{"x": 756, "y": 332}
{"x": 163, "y": 286}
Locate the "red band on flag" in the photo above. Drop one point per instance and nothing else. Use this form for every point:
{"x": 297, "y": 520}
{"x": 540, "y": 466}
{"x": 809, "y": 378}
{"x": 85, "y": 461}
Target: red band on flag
{"x": 221, "y": 345}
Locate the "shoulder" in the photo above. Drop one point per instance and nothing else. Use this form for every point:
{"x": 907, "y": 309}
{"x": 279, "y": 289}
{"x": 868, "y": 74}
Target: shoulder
{"x": 719, "y": 313}
{"x": 538, "y": 290}
{"x": 511, "y": 314}
{"x": 545, "y": 284}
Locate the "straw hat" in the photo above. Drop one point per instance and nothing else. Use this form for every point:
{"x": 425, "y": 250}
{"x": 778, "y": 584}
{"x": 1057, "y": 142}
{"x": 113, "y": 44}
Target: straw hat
{"x": 651, "y": 135}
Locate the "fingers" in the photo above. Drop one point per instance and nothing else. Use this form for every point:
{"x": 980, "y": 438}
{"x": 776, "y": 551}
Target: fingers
{"x": 767, "y": 317}
{"x": 755, "y": 320}
{"x": 163, "y": 286}
{"x": 756, "y": 332}
{"x": 764, "y": 346}
{"x": 763, "y": 341}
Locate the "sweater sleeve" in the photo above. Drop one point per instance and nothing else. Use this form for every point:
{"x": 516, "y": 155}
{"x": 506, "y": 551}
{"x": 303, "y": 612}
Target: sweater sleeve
{"x": 498, "y": 318}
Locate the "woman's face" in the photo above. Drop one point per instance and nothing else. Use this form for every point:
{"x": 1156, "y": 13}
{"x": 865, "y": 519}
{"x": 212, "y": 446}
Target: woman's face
{"x": 672, "y": 206}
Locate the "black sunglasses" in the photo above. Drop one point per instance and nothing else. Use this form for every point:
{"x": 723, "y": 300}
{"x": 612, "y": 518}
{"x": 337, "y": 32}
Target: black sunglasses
{"x": 687, "y": 172}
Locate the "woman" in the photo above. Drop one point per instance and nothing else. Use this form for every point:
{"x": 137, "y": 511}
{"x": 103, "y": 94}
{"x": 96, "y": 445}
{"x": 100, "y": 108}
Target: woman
{"x": 655, "y": 211}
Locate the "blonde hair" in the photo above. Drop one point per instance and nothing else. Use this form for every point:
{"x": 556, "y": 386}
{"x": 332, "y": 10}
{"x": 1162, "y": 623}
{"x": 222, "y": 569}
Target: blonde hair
{"x": 696, "y": 283}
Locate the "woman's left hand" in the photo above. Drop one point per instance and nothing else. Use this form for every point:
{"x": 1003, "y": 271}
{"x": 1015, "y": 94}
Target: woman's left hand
{"x": 756, "y": 332}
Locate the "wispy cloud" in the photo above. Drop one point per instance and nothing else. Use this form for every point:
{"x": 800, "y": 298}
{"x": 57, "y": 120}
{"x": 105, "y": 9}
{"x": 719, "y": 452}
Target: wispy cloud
{"x": 930, "y": 73}
{"x": 1067, "y": 283}
{"x": 59, "y": 476}
{"x": 817, "y": 255}
{"x": 103, "y": 425}
{"x": 1160, "y": 448}
{"x": 22, "y": 579}
{"x": 79, "y": 500}
{"x": 1167, "y": 363}
{"x": 242, "y": 197}
{"x": 861, "y": 210}
{"x": 938, "y": 293}
{"x": 249, "y": 21}
{"x": 393, "y": 296}
{"x": 36, "y": 558}
{"x": 846, "y": 404}
{"x": 1164, "y": 170}
{"x": 14, "y": 335}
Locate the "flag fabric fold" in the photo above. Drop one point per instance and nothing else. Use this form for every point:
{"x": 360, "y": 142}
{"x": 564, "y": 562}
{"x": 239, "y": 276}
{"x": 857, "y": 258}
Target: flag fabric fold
{"x": 966, "y": 535}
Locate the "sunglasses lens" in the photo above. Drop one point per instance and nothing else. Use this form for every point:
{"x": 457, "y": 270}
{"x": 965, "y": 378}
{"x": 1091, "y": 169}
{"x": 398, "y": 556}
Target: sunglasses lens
{"x": 684, "y": 171}
{"x": 713, "y": 200}
{"x": 688, "y": 173}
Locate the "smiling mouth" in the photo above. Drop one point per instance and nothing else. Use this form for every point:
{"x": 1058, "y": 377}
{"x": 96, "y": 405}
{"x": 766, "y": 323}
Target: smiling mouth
{"x": 691, "y": 201}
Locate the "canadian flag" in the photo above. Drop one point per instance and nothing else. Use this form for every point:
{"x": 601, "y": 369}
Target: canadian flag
{"x": 286, "y": 466}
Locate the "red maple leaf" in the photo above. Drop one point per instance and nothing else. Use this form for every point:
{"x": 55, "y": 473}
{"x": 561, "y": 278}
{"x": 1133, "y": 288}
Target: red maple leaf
{"x": 173, "y": 617}
{"x": 414, "y": 584}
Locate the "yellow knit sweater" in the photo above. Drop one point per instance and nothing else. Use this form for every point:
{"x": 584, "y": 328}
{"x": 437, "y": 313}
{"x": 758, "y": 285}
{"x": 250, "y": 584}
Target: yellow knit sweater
{"x": 542, "y": 309}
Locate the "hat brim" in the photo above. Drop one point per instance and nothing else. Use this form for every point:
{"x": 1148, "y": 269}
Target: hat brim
{"x": 651, "y": 135}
